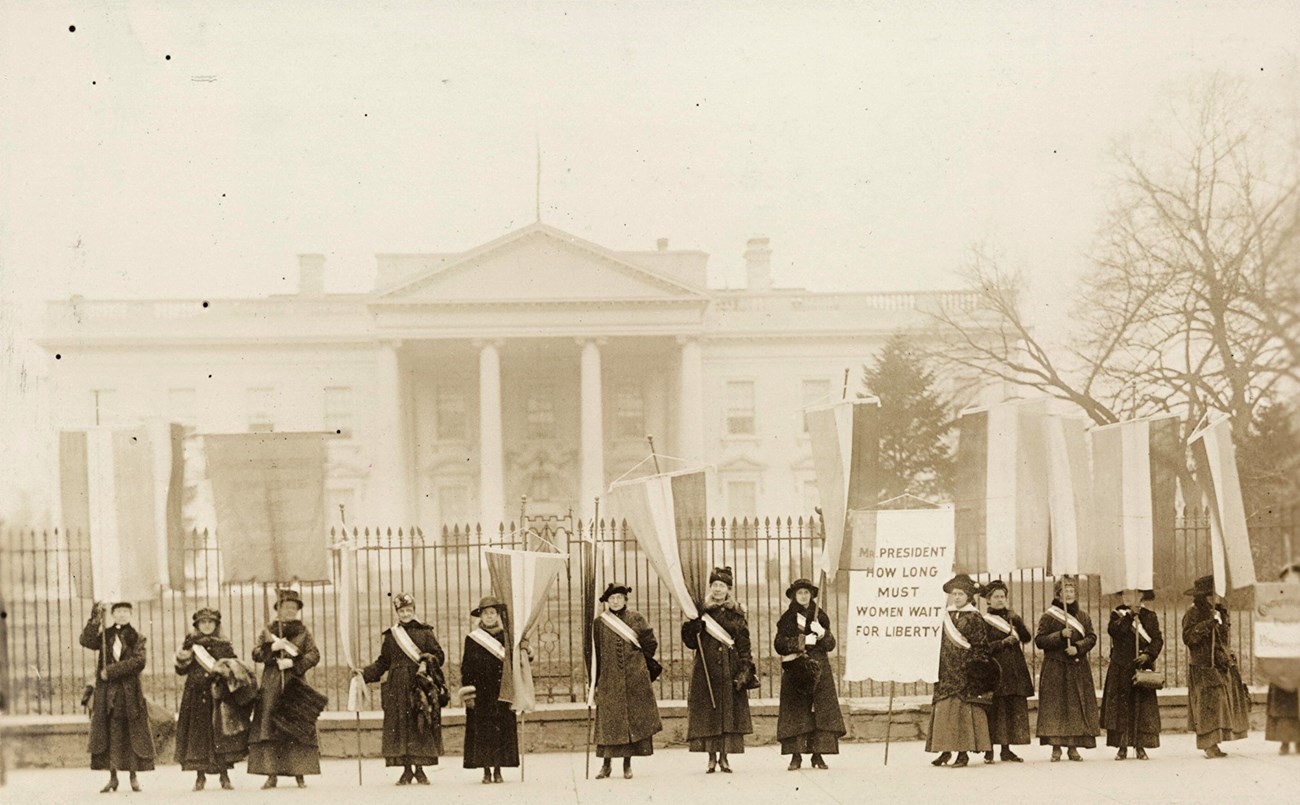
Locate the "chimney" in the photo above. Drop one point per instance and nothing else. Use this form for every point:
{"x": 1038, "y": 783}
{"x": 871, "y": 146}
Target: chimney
{"x": 311, "y": 274}
{"x": 662, "y": 244}
{"x": 758, "y": 265}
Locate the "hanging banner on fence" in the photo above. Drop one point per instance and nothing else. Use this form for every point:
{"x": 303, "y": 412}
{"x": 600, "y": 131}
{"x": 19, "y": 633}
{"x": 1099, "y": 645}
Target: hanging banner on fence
{"x": 896, "y": 607}
{"x": 121, "y": 491}
{"x": 845, "y": 441}
{"x": 1216, "y": 474}
{"x": 1277, "y": 633}
{"x": 269, "y": 496}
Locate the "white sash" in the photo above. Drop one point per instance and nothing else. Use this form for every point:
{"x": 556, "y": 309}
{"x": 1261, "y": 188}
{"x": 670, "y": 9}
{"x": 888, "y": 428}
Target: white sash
{"x": 816, "y": 628}
{"x": 616, "y": 625}
{"x": 206, "y": 660}
{"x": 716, "y": 631}
{"x": 405, "y": 643}
{"x": 1068, "y": 619}
{"x": 951, "y": 631}
{"x": 489, "y": 642}
{"x": 998, "y": 622}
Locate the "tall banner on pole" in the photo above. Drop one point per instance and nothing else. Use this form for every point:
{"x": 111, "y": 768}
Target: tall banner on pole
{"x": 845, "y": 440}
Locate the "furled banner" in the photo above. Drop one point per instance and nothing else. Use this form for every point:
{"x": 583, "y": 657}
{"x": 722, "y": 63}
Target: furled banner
{"x": 669, "y": 519}
{"x": 896, "y": 607}
{"x": 1215, "y": 463}
{"x": 1277, "y": 633}
{"x": 269, "y": 494}
{"x": 121, "y": 491}
{"x": 845, "y": 440}
{"x": 1003, "y": 509}
{"x": 521, "y": 579}
{"x": 1134, "y": 470}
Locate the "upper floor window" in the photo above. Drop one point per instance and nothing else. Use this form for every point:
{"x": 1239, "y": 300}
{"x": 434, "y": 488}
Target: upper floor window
{"x": 740, "y": 407}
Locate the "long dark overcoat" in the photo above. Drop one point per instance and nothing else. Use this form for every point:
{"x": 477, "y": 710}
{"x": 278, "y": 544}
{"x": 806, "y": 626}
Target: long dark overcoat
{"x": 1217, "y": 703}
{"x": 491, "y": 736}
{"x": 626, "y": 710}
{"x": 1009, "y": 653}
{"x": 412, "y": 721}
{"x": 265, "y": 742}
{"x": 804, "y": 710}
{"x": 1119, "y": 696}
{"x": 200, "y": 744}
{"x": 1067, "y": 700}
{"x": 723, "y": 665}
{"x": 120, "y": 692}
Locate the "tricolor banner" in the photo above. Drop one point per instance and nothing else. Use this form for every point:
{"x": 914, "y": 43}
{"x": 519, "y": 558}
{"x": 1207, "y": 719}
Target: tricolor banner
{"x": 668, "y": 515}
{"x": 1135, "y": 468}
{"x": 521, "y": 579}
{"x": 1002, "y": 490}
{"x": 1215, "y": 463}
{"x": 845, "y": 440}
{"x": 121, "y": 492}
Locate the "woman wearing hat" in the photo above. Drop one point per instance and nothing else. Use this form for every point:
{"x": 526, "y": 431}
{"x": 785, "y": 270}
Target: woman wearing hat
{"x": 1131, "y": 715}
{"x": 1007, "y": 634}
{"x": 287, "y": 651}
{"x": 957, "y": 724}
{"x": 1067, "y": 700}
{"x": 491, "y": 737}
{"x": 627, "y": 715}
{"x": 201, "y": 747}
{"x": 809, "y": 719}
{"x": 120, "y": 734}
{"x": 411, "y": 694}
{"x": 1283, "y": 723}
{"x": 722, "y": 676}
{"x": 1217, "y": 705}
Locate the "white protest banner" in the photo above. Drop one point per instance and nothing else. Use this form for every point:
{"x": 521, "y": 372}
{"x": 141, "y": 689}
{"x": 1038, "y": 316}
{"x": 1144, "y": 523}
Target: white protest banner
{"x": 895, "y": 608}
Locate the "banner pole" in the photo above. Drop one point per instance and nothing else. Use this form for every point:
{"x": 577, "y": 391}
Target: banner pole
{"x": 889, "y": 720}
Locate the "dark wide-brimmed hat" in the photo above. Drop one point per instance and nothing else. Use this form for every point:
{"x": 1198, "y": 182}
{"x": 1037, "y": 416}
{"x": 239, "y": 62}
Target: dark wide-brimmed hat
{"x": 961, "y": 582}
{"x": 801, "y": 584}
{"x": 488, "y": 602}
{"x": 1202, "y": 586}
{"x": 724, "y": 575}
{"x": 206, "y": 614}
{"x": 615, "y": 588}
{"x": 403, "y": 600}
{"x": 993, "y": 586}
{"x": 281, "y": 596}
{"x": 1293, "y": 567}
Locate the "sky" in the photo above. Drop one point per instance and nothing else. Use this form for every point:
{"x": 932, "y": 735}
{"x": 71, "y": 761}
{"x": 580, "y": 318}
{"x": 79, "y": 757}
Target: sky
{"x": 192, "y": 149}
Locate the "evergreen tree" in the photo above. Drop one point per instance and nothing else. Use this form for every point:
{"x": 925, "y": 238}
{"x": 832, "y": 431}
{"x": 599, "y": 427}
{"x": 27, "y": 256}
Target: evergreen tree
{"x": 915, "y": 417}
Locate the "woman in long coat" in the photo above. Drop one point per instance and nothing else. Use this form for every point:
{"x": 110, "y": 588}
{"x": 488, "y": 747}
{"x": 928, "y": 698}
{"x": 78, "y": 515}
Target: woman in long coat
{"x": 809, "y": 719}
{"x": 957, "y": 724}
{"x": 287, "y": 651}
{"x": 627, "y": 715}
{"x": 1283, "y": 723}
{"x": 1009, "y": 712}
{"x": 718, "y": 699}
{"x": 200, "y": 745}
{"x": 1067, "y": 700}
{"x": 412, "y": 658}
{"x": 120, "y": 736}
{"x": 491, "y": 737}
{"x": 1135, "y": 643}
{"x": 1217, "y": 704}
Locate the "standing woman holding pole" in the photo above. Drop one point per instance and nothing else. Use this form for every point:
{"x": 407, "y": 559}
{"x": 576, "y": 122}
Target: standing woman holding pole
{"x": 718, "y": 700}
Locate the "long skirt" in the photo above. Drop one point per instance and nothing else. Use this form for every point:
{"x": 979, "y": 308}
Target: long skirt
{"x": 817, "y": 742}
{"x": 642, "y": 748}
{"x": 956, "y": 725}
{"x": 1283, "y": 716}
{"x": 119, "y": 755}
{"x": 283, "y": 757}
{"x": 728, "y": 743}
{"x": 1009, "y": 721}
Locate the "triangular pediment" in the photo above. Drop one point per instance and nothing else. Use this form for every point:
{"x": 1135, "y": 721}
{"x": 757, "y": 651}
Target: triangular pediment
{"x": 538, "y": 264}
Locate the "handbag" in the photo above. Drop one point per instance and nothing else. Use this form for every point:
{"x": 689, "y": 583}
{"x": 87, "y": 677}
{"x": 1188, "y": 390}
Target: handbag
{"x": 1150, "y": 680}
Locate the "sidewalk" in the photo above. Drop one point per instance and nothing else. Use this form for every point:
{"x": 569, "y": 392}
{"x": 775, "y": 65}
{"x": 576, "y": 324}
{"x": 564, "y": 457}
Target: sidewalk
{"x": 1177, "y": 773}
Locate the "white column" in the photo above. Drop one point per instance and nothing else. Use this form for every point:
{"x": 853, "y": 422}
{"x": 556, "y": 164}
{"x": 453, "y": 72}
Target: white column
{"x": 690, "y": 407}
{"x": 390, "y": 483}
{"x": 592, "y": 424}
{"x": 491, "y": 477}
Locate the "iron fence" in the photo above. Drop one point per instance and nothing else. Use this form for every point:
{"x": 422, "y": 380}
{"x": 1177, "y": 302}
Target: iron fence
{"x": 46, "y": 668}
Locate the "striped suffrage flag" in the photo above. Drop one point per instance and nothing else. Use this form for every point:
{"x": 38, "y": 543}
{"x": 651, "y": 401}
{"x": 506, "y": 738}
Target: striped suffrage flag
{"x": 1215, "y": 471}
{"x": 845, "y": 440}
{"x": 1069, "y": 495}
{"x": 122, "y": 493}
{"x": 1002, "y": 515}
{"x": 1135, "y": 467}
{"x": 521, "y": 579}
{"x": 668, "y": 515}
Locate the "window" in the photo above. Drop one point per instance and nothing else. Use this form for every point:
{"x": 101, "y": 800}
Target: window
{"x": 453, "y": 505}
{"x": 338, "y": 410}
{"x": 258, "y": 404}
{"x": 449, "y": 414}
{"x": 815, "y": 392}
{"x": 541, "y": 414}
{"x": 103, "y": 406}
{"x": 740, "y": 407}
{"x": 180, "y": 406}
{"x": 629, "y": 413}
{"x": 742, "y": 498}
